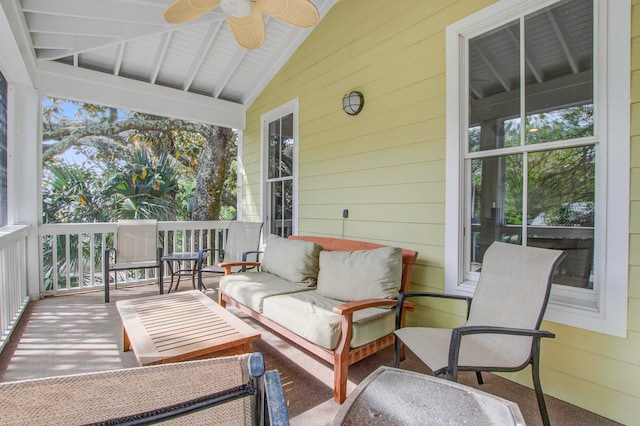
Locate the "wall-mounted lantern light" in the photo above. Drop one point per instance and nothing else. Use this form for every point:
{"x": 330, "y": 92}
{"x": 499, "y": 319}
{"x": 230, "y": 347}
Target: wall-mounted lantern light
{"x": 352, "y": 103}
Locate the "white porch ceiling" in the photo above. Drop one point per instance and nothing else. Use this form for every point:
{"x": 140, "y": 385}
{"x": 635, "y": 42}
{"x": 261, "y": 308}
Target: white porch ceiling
{"x": 126, "y": 42}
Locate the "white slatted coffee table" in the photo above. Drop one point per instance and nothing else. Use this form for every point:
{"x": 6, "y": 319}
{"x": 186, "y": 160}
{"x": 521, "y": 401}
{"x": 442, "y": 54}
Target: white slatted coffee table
{"x": 180, "y": 327}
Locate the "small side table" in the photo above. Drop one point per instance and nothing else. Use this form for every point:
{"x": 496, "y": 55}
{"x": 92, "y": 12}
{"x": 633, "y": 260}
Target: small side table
{"x": 181, "y": 258}
{"x": 390, "y": 396}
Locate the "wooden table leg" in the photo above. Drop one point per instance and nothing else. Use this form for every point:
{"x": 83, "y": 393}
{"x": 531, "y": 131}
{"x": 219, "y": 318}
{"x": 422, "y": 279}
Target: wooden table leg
{"x": 126, "y": 344}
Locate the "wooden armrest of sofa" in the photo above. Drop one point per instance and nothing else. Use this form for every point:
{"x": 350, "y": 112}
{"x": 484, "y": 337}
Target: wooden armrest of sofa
{"x": 228, "y": 265}
{"x": 351, "y": 307}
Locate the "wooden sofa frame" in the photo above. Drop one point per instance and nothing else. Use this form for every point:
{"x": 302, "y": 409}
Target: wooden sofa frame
{"x": 343, "y": 356}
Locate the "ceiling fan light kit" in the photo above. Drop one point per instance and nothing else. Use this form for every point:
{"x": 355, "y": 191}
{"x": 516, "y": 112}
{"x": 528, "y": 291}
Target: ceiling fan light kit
{"x": 236, "y": 8}
{"x": 245, "y": 16}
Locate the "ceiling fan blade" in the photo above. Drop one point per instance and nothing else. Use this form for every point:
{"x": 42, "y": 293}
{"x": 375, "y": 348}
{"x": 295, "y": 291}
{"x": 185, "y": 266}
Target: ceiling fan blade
{"x": 182, "y": 11}
{"x": 248, "y": 31}
{"x": 301, "y": 13}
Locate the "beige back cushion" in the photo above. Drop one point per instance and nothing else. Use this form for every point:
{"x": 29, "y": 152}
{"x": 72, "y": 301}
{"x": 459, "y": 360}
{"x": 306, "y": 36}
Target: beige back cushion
{"x": 362, "y": 274}
{"x": 293, "y": 260}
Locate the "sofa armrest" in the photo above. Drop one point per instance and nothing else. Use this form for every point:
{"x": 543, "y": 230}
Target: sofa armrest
{"x": 228, "y": 265}
{"x": 358, "y": 305}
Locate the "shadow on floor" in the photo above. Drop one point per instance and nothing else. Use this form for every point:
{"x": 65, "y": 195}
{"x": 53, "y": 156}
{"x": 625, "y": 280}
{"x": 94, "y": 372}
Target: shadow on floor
{"x": 80, "y": 333}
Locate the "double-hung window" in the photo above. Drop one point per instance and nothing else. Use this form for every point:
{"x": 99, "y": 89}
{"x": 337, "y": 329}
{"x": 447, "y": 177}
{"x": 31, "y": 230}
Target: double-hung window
{"x": 280, "y": 164}
{"x": 538, "y": 146}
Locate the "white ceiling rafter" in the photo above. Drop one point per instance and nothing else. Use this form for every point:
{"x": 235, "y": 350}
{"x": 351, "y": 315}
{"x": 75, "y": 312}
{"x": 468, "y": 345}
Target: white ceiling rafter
{"x": 203, "y": 49}
{"x": 132, "y": 52}
{"x": 119, "y": 56}
{"x": 88, "y": 40}
{"x": 159, "y": 57}
{"x": 233, "y": 64}
{"x": 105, "y": 10}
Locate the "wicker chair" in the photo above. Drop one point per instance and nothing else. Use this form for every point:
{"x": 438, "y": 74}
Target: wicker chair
{"x": 230, "y": 390}
{"x": 502, "y": 332}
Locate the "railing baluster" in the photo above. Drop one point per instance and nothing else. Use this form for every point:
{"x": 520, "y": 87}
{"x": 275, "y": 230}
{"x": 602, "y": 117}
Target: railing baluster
{"x": 80, "y": 266}
{"x": 175, "y": 236}
{"x": 92, "y": 268}
{"x": 54, "y": 261}
{"x": 67, "y": 255}
{"x": 13, "y": 279}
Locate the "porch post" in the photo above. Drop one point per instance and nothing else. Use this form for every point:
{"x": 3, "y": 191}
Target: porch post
{"x": 24, "y": 173}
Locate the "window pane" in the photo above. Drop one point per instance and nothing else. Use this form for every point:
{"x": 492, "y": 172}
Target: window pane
{"x": 559, "y": 72}
{"x": 286, "y": 164}
{"x": 282, "y": 208}
{"x": 3, "y": 151}
{"x": 496, "y": 197}
{"x": 274, "y": 148}
{"x": 494, "y": 87}
{"x": 281, "y": 147}
{"x": 561, "y": 210}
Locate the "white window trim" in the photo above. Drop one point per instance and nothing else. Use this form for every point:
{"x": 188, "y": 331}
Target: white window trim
{"x": 291, "y": 107}
{"x": 613, "y": 253}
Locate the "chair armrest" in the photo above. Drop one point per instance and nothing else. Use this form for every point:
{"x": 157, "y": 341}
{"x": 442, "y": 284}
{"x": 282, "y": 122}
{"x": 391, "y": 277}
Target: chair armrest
{"x": 405, "y": 295}
{"x": 275, "y": 404}
{"x": 457, "y": 333}
{"x": 256, "y": 252}
{"x": 228, "y": 265}
{"x": 428, "y": 294}
{"x": 201, "y": 256}
{"x": 486, "y": 329}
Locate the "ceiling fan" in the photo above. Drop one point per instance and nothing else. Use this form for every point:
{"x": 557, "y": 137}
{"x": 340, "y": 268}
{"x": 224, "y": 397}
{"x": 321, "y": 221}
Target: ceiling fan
{"x": 245, "y": 16}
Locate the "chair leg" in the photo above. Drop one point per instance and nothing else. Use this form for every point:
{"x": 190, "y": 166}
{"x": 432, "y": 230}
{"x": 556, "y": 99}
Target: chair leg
{"x": 479, "y": 377}
{"x": 396, "y": 361}
{"x": 105, "y": 276}
{"x": 535, "y": 373}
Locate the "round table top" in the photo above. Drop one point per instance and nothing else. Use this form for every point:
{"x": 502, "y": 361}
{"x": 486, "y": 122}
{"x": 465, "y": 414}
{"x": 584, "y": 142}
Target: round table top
{"x": 390, "y": 396}
{"x": 186, "y": 255}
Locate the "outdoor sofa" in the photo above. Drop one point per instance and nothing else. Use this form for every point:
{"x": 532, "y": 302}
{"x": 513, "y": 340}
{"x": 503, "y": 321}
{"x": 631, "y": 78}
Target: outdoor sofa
{"x": 330, "y": 296}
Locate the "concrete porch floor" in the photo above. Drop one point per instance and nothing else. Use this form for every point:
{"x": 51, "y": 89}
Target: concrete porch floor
{"x": 80, "y": 334}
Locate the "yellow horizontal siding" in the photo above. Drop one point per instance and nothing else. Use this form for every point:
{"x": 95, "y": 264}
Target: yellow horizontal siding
{"x": 416, "y": 212}
{"x": 634, "y": 282}
{"x": 387, "y": 166}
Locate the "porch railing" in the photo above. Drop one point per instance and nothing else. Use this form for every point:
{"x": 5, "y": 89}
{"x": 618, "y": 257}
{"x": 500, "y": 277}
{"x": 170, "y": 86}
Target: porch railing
{"x": 71, "y": 255}
{"x": 14, "y": 295}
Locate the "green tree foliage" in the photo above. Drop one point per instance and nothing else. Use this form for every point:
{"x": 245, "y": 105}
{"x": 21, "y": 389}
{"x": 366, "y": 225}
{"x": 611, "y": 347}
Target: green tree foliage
{"x": 72, "y": 194}
{"x": 144, "y": 188}
{"x": 137, "y": 166}
{"x": 561, "y": 182}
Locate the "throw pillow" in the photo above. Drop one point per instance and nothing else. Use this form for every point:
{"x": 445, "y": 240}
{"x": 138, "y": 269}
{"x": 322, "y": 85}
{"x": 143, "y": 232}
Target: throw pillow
{"x": 362, "y": 274}
{"x": 293, "y": 260}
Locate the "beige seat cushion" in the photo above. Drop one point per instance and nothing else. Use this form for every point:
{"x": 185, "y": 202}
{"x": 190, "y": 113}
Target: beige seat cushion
{"x": 250, "y": 288}
{"x": 311, "y": 316}
{"x": 293, "y": 260}
{"x": 361, "y": 274}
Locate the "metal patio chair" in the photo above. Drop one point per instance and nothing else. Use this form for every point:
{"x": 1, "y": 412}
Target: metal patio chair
{"x": 243, "y": 239}
{"x": 502, "y": 331}
{"x": 136, "y": 247}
